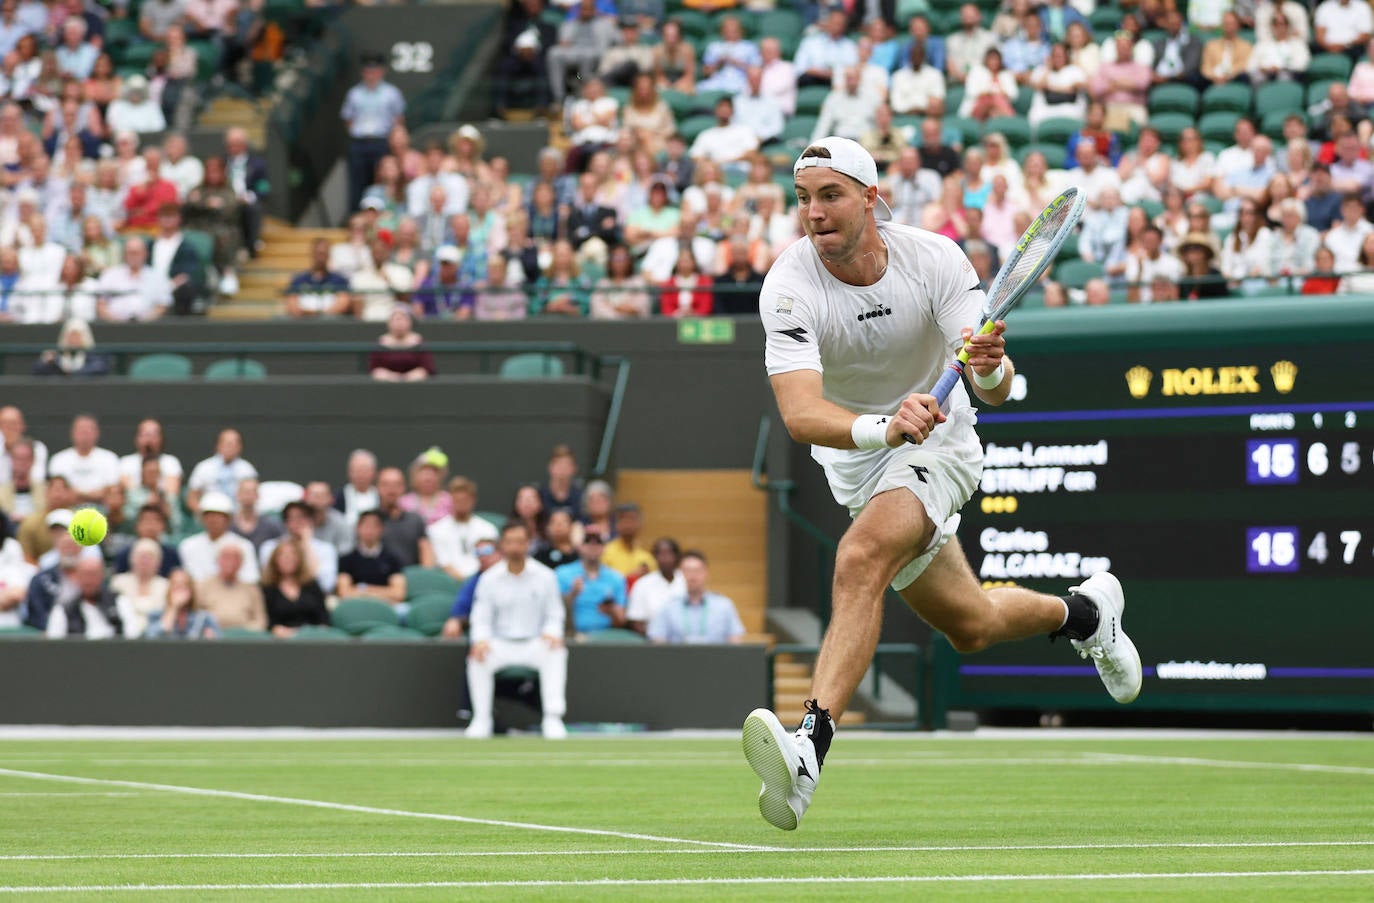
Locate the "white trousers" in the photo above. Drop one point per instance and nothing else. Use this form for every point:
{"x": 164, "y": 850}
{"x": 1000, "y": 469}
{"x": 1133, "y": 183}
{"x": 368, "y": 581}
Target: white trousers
{"x": 552, "y": 665}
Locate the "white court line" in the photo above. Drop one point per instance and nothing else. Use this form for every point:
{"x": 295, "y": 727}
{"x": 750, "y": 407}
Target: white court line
{"x": 371, "y": 810}
{"x": 696, "y": 851}
{"x": 731, "y": 760}
{"x": 1229, "y": 763}
{"x": 74, "y": 793}
{"x": 684, "y": 882}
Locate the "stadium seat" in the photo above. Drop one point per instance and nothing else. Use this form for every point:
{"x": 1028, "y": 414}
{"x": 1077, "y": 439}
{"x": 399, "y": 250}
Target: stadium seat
{"x": 1230, "y": 98}
{"x": 1076, "y": 273}
{"x": 1106, "y": 19}
{"x": 1329, "y": 67}
{"x": 429, "y": 612}
{"x": 1219, "y": 126}
{"x": 531, "y": 366}
{"x": 1170, "y": 126}
{"x": 422, "y": 581}
{"x": 393, "y": 632}
{"x": 615, "y": 637}
{"x": 232, "y": 368}
{"x": 1152, "y": 208}
{"x": 810, "y": 98}
{"x": 166, "y": 367}
{"x": 315, "y": 632}
{"x": 1279, "y": 96}
{"x": 495, "y": 518}
{"x": 1317, "y": 91}
{"x": 969, "y": 129}
{"x": 1056, "y": 155}
{"x": 783, "y": 24}
{"x": 694, "y": 125}
{"x": 1169, "y": 98}
{"x": 1212, "y": 204}
{"x": 1069, "y": 249}
{"x": 360, "y": 614}
{"x": 695, "y": 24}
{"x": 954, "y": 98}
{"x": 22, "y": 632}
{"x": 1015, "y": 129}
{"x": 680, "y": 103}
{"x": 1057, "y": 130}
{"x": 244, "y": 633}
{"x": 1022, "y": 104}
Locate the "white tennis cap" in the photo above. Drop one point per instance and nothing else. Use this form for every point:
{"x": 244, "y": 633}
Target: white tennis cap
{"x": 849, "y": 157}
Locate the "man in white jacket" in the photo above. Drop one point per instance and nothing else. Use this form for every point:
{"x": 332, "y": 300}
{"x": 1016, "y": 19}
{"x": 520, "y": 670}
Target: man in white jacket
{"x": 517, "y": 619}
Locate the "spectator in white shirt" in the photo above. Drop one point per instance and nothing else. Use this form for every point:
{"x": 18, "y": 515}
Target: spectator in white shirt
{"x": 179, "y": 167}
{"x": 725, "y": 142}
{"x": 873, "y": 79}
{"x": 823, "y": 52}
{"x": 455, "y": 536}
{"x": 135, "y": 110}
{"x": 1343, "y": 26}
{"x": 132, "y": 290}
{"x": 847, "y": 111}
{"x": 918, "y": 88}
{"x": 221, "y": 472}
{"x": 656, "y": 587}
{"x": 1148, "y": 264}
{"x": 517, "y": 618}
{"x": 200, "y": 553}
{"x": 42, "y": 260}
{"x": 454, "y": 185}
{"x": 149, "y": 442}
{"x": 757, "y": 111}
{"x": 779, "y": 76}
{"x": 1346, "y": 236}
{"x": 359, "y": 493}
{"x": 966, "y": 49}
{"x": 13, "y": 427}
{"x": 91, "y": 470}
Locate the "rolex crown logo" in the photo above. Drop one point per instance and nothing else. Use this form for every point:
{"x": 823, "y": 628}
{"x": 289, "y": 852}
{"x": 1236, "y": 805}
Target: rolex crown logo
{"x": 1138, "y": 381}
{"x": 1285, "y": 373}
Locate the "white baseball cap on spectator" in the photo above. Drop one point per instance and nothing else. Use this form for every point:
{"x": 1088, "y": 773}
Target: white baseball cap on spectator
{"x": 216, "y": 503}
{"x": 59, "y": 517}
{"x": 449, "y": 254}
{"x": 527, "y": 40}
{"x": 372, "y": 202}
{"x": 849, "y": 157}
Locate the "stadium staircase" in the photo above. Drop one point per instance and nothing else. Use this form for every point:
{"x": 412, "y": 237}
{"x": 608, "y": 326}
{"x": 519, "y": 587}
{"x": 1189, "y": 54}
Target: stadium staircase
{"x": 262, "y": 279}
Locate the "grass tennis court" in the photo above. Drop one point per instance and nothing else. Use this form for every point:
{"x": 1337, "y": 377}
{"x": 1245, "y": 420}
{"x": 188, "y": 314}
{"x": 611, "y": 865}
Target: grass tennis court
{"x": 1007, "y": 817}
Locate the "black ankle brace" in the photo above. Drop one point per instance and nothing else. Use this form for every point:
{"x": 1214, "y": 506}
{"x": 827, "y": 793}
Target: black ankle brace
{"x": 1082, "y": 620}
{"x": 820, "y": 727}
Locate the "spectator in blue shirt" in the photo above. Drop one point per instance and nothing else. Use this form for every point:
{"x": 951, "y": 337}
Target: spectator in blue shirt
{"x": 457, "y": 623}
{"x": 919, "y": 27}
{"x": 595, "y": 594}
{"x": 698, "y": 615}
{"x": 318, "y": 291}
{"x": 444, "y": 292}
{"x": 370, "y": 110}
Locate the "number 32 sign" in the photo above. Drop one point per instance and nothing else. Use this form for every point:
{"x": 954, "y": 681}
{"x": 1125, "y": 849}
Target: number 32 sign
{"x": 412, "y": 56}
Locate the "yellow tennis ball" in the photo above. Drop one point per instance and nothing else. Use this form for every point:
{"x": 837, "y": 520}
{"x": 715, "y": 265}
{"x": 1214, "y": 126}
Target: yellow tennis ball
{"x": 88, "y": 526}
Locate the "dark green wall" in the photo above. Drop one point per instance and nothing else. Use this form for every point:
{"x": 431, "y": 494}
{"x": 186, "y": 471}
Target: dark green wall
{"x": 355, "y": 684}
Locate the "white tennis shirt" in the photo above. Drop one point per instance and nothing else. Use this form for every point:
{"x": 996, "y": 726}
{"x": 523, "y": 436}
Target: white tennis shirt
{"x": 874, "y": 344}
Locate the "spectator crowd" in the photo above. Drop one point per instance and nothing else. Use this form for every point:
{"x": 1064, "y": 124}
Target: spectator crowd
{"x": 1218, "y": 144}
{"x": 211, "y": 548}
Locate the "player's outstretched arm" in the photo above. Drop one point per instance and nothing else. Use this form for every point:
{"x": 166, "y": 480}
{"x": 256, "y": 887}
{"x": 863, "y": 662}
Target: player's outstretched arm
{"x": 813, "y": 420}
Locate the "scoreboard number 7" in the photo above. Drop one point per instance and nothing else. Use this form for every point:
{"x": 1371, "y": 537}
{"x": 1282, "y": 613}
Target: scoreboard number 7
{"x": 1350, "y": 542}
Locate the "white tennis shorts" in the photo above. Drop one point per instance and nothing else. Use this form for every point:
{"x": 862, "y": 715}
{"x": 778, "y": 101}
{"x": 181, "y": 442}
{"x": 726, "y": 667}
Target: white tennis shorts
{"x": 943, "y": 479}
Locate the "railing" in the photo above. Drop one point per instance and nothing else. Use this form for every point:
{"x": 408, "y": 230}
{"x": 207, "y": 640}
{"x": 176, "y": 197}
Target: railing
{"x": 781, "y": 491}
{"x": 918, "y": 720}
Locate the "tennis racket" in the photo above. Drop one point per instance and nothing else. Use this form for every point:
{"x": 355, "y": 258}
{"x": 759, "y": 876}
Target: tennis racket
{"x": 1024, "y": 266}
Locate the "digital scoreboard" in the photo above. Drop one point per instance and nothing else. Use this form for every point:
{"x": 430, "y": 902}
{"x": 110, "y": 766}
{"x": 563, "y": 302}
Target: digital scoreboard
{"x": 1231, "y": 491}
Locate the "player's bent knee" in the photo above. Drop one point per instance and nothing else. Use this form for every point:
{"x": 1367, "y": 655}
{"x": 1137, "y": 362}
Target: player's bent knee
{"x": 968, "y": 637}
{"x": 857, "y": 561}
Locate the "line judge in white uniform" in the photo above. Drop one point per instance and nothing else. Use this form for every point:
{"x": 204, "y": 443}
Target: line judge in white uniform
{"x": 862, "y": 317}
{"x": 517, "y": 619}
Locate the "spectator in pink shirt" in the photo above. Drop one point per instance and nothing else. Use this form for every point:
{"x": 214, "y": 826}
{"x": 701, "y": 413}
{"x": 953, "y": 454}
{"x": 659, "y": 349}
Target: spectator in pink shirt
{"x": 427, "y": 497}
{"x": 999, "y": 217}
{"x": 1123, "y": 86}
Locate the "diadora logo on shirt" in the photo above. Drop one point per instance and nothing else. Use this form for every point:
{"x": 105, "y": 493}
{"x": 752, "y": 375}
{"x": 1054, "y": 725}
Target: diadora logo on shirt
{"x": 875, "y": 312}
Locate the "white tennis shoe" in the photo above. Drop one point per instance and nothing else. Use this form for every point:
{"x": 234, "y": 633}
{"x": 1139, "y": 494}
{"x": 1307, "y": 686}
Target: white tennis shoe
{"x": 1116, "y": 658}
{"x": 786, "y": 763}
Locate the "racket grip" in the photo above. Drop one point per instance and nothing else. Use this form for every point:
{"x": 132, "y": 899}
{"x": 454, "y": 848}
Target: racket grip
{"x": 942, "y": 389}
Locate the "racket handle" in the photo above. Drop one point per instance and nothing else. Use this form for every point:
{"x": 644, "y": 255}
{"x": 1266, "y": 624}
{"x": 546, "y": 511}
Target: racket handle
{"x": 942, "y": 389}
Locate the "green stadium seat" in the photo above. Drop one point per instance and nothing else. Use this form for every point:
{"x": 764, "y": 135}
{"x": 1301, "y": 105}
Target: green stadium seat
{"x": 954, "y": 99}
{"x": 1279, "y": 96}
{"x": 695, "y": 24}
{"x": 1218, "y": 126}
{"x": 1329, "y": 67}
{"x": 705, "y": 103}
{"x": 1057, "y": 130}
{"x": 679, "y": 102}
{"x": 1231, "y": 98}
{"x": 1151, "y": 208}
{"x": 1076, "y": 273}
{"x": 1069, "y": 249}
{"x": 1022, "y": 103}
{"x": 120, "y": 31}
{"x": 533, "y": 365}
{"x": 429, "y": 612}
{"x": 1056, "y": 155}
{"x": 1173, "y": 99}
{"x": 810, "y": 98}
{"x": 235, "y": 368}
{"x": 615, "y": 637}
{"x": 969, "y": 129}
{"x": 393, "y": 632}
{"x": 1317, "y": 91}
{"x": 166, "y": 367}
{"x": 782, "y": 24}
{"x": 495, "y": 518}
{"x": 360, "y": 614}
{"x": 1015, "y": 129}
{"x": 692, "y": 126}
{"x": 1106, "y": 19}
{"x": 22, "y": 632}
{"x": 314, "y": 632}
{"x": 423, "y": 581}
{"x": 207, "y": 59}
{"x": 1171, "y": 125}
{"x": 244, "y": 633}
{"x": 1212, "y": 204}
{"x": 796, "y": 134}
{"x": 1272, "y": 123}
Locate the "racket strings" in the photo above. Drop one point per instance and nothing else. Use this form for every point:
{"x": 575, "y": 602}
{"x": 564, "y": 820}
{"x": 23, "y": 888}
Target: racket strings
{"x": 1040, "y": 245}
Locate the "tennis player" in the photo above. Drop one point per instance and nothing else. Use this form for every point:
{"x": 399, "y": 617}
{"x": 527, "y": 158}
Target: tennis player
{"x": 862, "y": 316}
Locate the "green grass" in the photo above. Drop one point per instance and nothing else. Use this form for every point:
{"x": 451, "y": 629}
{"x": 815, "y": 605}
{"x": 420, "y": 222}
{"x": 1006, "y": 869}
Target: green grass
{"x": 980, "y": 808}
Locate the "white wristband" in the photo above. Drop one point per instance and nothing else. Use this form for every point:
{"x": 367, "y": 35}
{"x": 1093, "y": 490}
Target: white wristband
{"x": 992, "y": 380}
{"x": 870, "y": 431}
